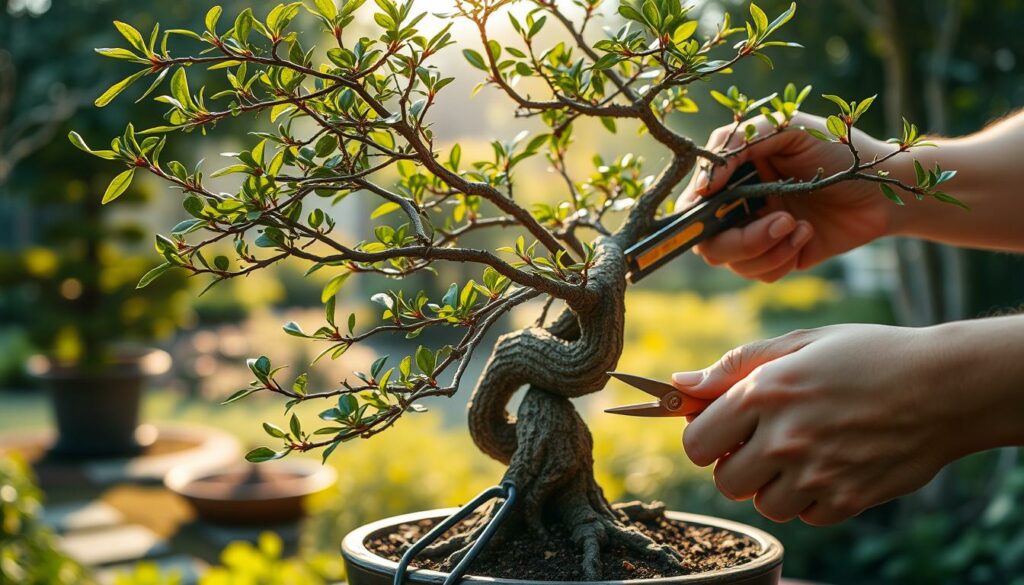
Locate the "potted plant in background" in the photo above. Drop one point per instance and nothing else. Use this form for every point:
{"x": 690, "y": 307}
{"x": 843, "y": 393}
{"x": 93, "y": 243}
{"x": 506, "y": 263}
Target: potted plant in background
{"x": 78, "y": 299}
{"x": 365, "y": 105}
{"x": 68, "y": 266}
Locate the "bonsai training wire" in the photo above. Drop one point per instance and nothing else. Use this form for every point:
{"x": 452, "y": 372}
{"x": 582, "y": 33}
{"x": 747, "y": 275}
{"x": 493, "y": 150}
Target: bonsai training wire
{"x": 506, "y": 490}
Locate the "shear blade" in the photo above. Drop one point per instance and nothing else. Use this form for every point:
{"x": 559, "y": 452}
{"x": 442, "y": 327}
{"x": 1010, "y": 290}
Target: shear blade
{"x": 655, "y": 388}
{"x": 645, "y": 409}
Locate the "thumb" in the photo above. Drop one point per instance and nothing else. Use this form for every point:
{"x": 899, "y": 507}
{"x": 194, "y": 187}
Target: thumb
{"x": 737, "y": 364}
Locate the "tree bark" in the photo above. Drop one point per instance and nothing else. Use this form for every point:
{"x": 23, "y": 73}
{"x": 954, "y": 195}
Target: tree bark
{"x": 548, "y": 448}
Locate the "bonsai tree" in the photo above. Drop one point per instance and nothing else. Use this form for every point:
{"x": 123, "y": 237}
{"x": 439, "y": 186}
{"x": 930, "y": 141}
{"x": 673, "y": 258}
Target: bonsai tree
{"x": 365, "y": 104}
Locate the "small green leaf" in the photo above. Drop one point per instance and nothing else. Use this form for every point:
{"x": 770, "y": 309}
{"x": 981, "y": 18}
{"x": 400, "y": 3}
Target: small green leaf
{"x": 134, "y": 37}
{"x": 384, "y": 209}
{"x": 843, "y": 105}
{"x": 475, "y": 59}
{"x": 818, "y": 134}
{"x": 261, "y": 454}
{"x": 118, "y": 185}
{"x": 212, "y": 16}
{"x": 240, "y": 395}
{"x": 153, "y": 275}
{"x": 333, "y": 285}
{"x": 922, "y": 176}
{"x": 836, "y": 126}
{"x": 274, "y": 430}
{"x": 890, "y": 194}
{"x": 117, "y": 88}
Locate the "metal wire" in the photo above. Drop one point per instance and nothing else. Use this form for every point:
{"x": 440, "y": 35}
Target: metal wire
{"x": 506, "y": 490}
{"x": 463, "y": 565}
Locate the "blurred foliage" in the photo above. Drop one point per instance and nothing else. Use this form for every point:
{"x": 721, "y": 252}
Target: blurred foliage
{"x": 27, "y": 553}
{"x": 243, "y": 563}
{"x": 59, "y": 249}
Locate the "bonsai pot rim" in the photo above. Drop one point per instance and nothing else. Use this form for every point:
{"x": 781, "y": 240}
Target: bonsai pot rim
{"x": 127, "y": 362}
{"x": 354, "y": 551}
{"x": 186, "y": 481}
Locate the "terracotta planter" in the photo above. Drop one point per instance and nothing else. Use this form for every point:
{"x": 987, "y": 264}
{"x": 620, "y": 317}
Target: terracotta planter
{"x": 97, "y": 410}
{"x": 251, "y": 494}
{"x": 366, "y": 568}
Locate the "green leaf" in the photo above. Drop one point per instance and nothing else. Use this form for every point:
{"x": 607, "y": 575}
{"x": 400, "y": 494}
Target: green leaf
{"x": 818, "y": 134}
{"x": 723, "y": 99}
{"x": 684, "y": 32}
{"x": 295, "y": 426}
{"x": 261, "y": 454}
{"x": 863, "y": 106}
{"x": 243, "y": 24}
{"x": 212, "y": 16}
{"x": 760, "y": 18}
{"x": 240, "y": 395}
{"x": 384, "y": 209}
{"x": 890, "y": 194}
{"x": 630, "y": 13}
{"x": 836, "y": 126}
{"x": 783, "y": 18}
{"x": 327, "y": 9}
{"x": 179, "y": 88}
{"x": 425, "y": 360}
{"x": 118, "y": 53}
{"x": 76, "y": 139}
{"x": 947, "y": 198}
{"x": 475, "y": 59}
{"x": 274, "y": 430}
{"x": 221, "y": 262}
{"x": 117, "y": 88}
{"x": 118, "y": 185}
{"x": 333, "y": 285}
{"x": 134, "y": 37}
{"x": 843, "y": 105}
{"x": 292, "y": 328}
{"x": 153, "y": 275}
{"x": 922, "y": 176}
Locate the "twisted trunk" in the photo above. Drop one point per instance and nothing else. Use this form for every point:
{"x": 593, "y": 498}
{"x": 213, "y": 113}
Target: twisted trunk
{"x": 547, "y": 447}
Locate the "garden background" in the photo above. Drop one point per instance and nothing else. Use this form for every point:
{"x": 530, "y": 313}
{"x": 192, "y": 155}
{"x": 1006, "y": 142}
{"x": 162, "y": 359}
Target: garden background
{"x": 68, "y": 269}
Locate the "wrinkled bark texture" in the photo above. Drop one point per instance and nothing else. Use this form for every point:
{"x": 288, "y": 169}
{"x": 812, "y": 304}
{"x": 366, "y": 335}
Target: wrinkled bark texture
{"x": 548, "y": 448}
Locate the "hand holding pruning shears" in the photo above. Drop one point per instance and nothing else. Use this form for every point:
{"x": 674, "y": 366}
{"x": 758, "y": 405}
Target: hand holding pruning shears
{"x": 824, "y": 423}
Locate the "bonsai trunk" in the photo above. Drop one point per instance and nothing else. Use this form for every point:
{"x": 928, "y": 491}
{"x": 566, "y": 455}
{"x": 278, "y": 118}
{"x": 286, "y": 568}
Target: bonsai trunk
{"x": 548, "y": 448}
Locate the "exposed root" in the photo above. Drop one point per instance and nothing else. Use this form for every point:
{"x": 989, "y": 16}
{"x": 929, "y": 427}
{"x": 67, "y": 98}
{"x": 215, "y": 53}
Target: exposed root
{"x": 638, "y": 511}
{"x": 553, "y": 469}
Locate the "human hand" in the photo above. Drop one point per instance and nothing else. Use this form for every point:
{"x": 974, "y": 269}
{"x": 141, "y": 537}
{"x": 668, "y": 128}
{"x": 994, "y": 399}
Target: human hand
{"x": 795, "y": 232}
{"x": 825, "y": 423}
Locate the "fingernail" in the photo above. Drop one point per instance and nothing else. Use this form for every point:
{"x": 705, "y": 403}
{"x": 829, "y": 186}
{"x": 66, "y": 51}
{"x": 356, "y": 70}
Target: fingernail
{"x": 701, "y": 183}
{"x": 801, "y": 234}
{"x": 780, "y": 227}
{"x": 687, "y": 378}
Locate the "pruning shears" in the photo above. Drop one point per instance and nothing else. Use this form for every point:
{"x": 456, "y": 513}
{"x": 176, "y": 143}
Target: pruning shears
{"x": 670, "y": 402}
{"x": 709, "y": 217}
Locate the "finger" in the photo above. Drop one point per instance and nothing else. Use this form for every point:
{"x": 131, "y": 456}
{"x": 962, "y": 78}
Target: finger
{"x": 726, "y": 140}
{"x": 782, "y": 253}
{"x": 737, "y": 364}
{"x": 743, "y": 473}
{"x": 780, "y": 501}
{"x": 818, "y": 514}
{"x": 719, "y": 430}
{"x": 775, "y": 275}
{"x": 748, "y": 242}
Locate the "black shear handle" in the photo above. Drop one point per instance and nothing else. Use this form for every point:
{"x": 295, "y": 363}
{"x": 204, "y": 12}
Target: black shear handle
{"x": 707, "y": 218}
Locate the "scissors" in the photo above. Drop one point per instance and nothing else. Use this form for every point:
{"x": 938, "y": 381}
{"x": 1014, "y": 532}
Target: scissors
{"x": 670, "y": 402}
{"x": 709, "y": 217}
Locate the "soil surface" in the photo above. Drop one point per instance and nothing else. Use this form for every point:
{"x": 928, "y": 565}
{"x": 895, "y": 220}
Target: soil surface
{"x": 705, "y": 549}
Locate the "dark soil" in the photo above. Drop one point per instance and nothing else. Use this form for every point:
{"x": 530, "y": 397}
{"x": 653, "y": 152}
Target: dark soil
{"x": 705, "y": 549}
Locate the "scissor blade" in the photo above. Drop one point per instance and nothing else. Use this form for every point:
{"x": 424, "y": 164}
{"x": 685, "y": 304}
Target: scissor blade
{"x": 645, "y": 409}
{"x": 653, "y": 387}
